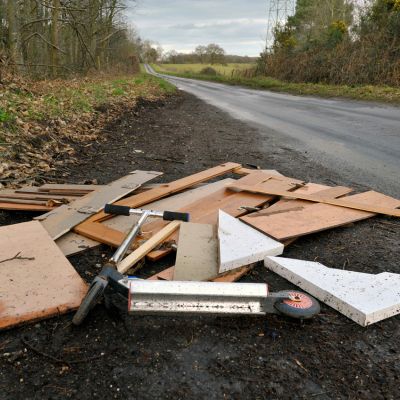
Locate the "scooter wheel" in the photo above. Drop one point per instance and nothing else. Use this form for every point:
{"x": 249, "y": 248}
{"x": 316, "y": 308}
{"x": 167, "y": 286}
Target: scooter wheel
{"x": 91, "y": 299}
{"x": 297, "y": 305}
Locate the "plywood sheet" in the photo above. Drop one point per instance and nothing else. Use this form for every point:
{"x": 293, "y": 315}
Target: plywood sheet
{"x": 64, "y": 218}
{"x": 308, "y": 219}
{"x": 72, "y": 243}
{"x": 311, "y": 188}
{"x": 205, "y": 211}
{"x": 197, "y": 256}
{"x": 345, "y": 203}
{"x": 43, "y": 285}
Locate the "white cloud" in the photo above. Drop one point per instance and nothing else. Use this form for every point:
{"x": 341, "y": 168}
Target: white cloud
{"x": 237, "y": 25}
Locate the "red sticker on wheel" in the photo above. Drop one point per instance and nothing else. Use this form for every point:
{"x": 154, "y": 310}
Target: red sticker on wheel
{"x": 301, "y": 300}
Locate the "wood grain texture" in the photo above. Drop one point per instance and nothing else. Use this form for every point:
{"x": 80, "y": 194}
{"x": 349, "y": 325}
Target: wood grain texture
{"x": 64, "y": 218}
{"x": 72, "y": 243}
{"x": 141, "y": 252}
{"x": 197, "y": 256}
{"x": 25, "y": 207}
{"x": 231, "y": 276}
{"x": 345, "y": 203}
{"x": 36, "y": 288}
{"x": 92, "y": 229}
{"x": 205, "y": 211}
{"x": 303, "y": 220}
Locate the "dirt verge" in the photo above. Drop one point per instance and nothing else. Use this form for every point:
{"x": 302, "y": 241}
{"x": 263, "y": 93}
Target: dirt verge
{"x": 208, "y": 358}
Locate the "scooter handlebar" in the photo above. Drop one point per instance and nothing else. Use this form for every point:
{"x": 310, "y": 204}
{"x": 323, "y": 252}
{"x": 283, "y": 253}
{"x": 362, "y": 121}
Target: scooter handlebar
{"x": 176, "y": 216}
{"x": 116, "y": 210}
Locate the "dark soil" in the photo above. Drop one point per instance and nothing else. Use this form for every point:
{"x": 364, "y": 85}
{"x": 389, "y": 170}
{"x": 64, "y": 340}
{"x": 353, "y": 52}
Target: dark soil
{"x": 329, "y": 357}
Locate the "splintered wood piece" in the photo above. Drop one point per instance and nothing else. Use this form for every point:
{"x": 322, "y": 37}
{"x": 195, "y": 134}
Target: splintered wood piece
{"x": 309, "y": 219}
{"x": 145, "y": 248}
{"x": 37, "y": 280}
{"x": 345, "y": 203}
{"x": 165, "y": 275}
{"x": 96, "y": 231}
{"x": 197, "y": 256}
{"x": 231, "y": 276}
{"x": 234, "y": 275}
{"x": 64, "y": 218}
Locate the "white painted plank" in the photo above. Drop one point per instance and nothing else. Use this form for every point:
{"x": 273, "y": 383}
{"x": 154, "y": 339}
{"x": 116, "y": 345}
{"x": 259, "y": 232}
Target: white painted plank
{"x": 364, "y": 298}
{"x": 240, "y": 244}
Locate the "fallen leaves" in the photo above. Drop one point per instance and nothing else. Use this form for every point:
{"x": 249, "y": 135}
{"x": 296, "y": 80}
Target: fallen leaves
{"x": 44, "y": 120}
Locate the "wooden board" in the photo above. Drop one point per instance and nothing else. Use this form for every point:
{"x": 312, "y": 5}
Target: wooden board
{"x": 205, "y": 211}
{"x": 25, "y": 207}
{"x": 345, "y": 203}
{"x": 70, "y": 186}
{"x": 246, "y": 171}
{"x": 318, "y": 217}
{"x": 231, "y": 276}
{"x": 40, "y": 287}
{"x": 64, "y": 218}
{"x": 311, "y": 188}
{"x": 72, "y": 243}
{"x": 197, "y": 256}
{"x": 94, "y": 230}
{"x": 35, "y": 196}
{"x": 130, "y": 260}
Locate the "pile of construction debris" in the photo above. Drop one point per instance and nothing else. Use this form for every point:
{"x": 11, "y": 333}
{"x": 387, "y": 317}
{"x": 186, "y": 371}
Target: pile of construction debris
{"x": 234, "y": 223}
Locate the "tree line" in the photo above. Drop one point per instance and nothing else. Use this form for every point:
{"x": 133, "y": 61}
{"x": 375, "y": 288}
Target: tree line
{"x": 209, "y": 54}
{"x": 59, "y": 37}
{"x": 339, "y": 42}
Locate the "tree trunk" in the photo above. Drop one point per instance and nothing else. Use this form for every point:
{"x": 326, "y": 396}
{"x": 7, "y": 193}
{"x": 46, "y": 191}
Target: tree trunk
{"x": 54, "y": 37}
{"x": 13, "y": 35}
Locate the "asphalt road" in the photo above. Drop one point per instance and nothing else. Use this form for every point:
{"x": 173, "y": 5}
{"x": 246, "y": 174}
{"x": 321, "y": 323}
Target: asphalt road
{"x": 359, "y": 140}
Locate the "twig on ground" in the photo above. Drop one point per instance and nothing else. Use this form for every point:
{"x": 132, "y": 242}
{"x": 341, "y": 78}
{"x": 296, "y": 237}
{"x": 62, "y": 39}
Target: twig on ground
{"x": 17, "y": 257}
{"x": 55, "y": 359}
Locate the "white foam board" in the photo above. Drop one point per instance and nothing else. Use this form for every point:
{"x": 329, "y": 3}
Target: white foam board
{"x": 240, "y": 244}
{"x": 364, "y": 298}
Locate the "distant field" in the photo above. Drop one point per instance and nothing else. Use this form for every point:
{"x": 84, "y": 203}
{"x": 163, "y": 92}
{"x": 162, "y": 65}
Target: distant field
{"x": 196, "y": 68}
{"x": 361, "y": 92}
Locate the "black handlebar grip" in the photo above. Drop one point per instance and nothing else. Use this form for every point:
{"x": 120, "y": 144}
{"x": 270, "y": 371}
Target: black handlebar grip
{"x": 116, "y": 210}
{"x": 176, "y": 216}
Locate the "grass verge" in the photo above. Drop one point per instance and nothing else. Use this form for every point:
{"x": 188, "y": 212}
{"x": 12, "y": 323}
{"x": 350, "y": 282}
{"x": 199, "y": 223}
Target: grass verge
{"x": 40, "y": 121}
{"x": 385, "y": 94}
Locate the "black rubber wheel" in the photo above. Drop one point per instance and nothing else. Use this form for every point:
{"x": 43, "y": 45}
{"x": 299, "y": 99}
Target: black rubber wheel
{"x": 298, "y": 305}
{"x": 91, "y": 299}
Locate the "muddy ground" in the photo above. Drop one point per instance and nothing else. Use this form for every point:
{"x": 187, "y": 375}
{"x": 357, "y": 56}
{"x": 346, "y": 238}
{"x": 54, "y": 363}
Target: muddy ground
{"x": 112, "y": 356}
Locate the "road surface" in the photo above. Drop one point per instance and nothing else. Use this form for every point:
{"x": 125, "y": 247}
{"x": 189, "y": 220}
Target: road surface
{"x": 360, "y": 140}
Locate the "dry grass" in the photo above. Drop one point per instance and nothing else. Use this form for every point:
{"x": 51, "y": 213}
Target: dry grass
{"x": 226, "y": 70}
{"x": 40, "y": 121}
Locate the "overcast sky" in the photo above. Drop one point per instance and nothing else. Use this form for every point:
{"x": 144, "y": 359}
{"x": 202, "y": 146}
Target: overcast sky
{"x": 239, "y": 26}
